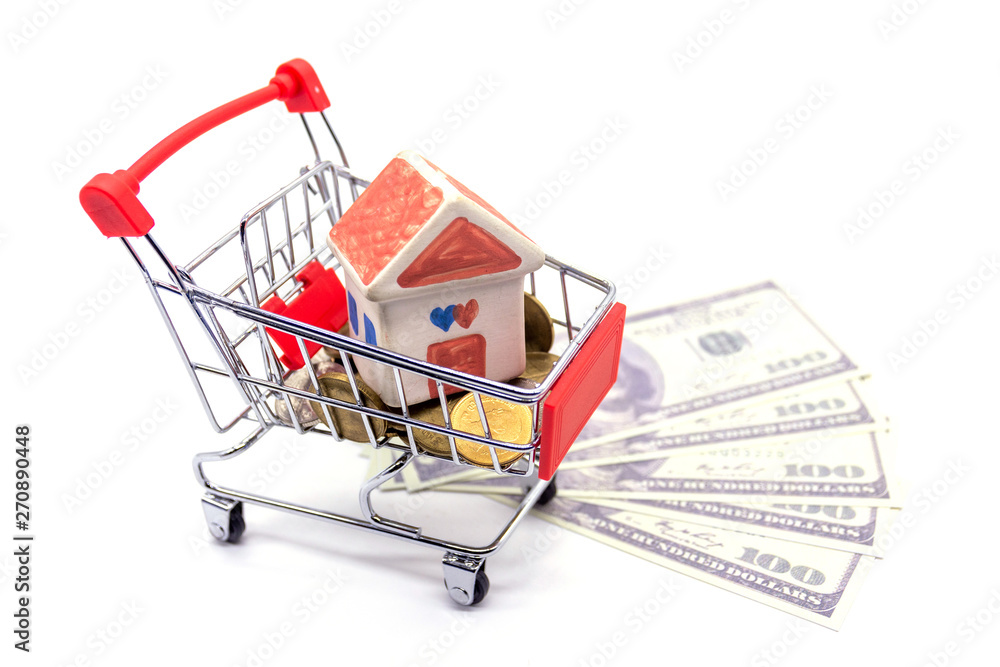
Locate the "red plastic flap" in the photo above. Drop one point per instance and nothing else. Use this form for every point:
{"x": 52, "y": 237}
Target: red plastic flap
{"x": 322, "y": 303}
{"x": 110, "y": 201}
{"x": 579, "y": 390}
{"x": 305, "y": 92}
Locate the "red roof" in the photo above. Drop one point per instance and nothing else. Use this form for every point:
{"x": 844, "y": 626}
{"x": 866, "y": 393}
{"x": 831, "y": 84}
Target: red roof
{"x": 401, "y": 203}
{"x": 466, "y": 236}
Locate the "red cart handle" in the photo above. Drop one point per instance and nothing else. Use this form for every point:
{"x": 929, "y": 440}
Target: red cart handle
{"x": 110, "y": 199}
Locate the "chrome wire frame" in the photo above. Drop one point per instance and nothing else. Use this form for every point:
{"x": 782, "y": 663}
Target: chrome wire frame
{"x": 247, "y": 357}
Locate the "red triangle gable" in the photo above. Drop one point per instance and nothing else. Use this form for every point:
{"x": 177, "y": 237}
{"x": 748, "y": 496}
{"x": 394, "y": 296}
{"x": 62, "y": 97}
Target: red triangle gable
{"x": 462, "y": 250}
{"x": 474, "y": 197}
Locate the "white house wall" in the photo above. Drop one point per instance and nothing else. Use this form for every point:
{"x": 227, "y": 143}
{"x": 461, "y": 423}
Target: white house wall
{"x": 406, "y": 326}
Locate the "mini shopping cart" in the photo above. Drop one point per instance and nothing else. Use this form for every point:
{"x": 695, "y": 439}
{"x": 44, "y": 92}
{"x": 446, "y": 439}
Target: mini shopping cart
{"x": 286, "y": 278}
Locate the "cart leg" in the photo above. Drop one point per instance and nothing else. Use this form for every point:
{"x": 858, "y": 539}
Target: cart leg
{"x": 465, "y": 578}
{"x": 224, "y": 517}
{"x": 548, "y": 493}
{"x": 365, "y": 496}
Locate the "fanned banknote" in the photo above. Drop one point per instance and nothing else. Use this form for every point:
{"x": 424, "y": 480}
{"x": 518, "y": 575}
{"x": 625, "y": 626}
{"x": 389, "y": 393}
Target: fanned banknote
{"x": 739, "y": 445}
{"x": 813, "y": 583}
{"x": 843, "y": 527}
{"x": 732, "y": 349}
{"x": 842, "y": 406}
{"x": 845, "y": 468}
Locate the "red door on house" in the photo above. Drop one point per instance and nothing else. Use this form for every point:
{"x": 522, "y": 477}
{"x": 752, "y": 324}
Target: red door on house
{"x": 465, "y": 353}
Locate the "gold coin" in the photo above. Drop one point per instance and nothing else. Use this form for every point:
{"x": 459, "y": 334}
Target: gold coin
{"x": 537, "y": 365}
{"x": 334, "y": 352}
{"x": 538, "y": 330}
{"x": 509, "y": 422}
{"x": 430, "y": 412}
{"x": 348, "y": 423}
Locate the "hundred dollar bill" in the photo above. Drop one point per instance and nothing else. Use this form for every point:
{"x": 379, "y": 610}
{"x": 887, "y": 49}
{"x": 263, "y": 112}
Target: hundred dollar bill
{"x": 842, "y": 406}
{"x": 849, "y": 528}
{"x": 732, "y": 349}
{"x": 826, "y": 469}
{"x": 854, "y": 529}
{"x": 812, "y": 583}
{"x": 720, "y": 353}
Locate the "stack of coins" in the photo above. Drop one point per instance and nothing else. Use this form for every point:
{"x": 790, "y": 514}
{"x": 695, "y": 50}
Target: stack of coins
{"x": 508, "y": 422}
{"x": 538, "y": 365}
{"x": 347, "y": 423}
{"x": 322, "y": 364}
{"x": 538, "y": 330}
{"x": 430, "y": 412}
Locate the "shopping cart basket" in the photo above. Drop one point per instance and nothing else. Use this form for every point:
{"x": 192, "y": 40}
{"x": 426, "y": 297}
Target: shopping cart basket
{"x": 286, "y": 293}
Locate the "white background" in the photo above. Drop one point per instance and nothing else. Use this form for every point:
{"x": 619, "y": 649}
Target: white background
{"x": 138, "y": 538}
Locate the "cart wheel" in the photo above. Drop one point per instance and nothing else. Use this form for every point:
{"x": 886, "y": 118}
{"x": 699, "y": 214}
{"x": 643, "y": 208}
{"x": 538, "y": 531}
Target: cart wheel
{"x": 549, "y": 493}
{"x": 463, "y": 574}
{"x": 224, "y": 517}
{"x": 482, "y": 586}
{"x": 237, "y": 524}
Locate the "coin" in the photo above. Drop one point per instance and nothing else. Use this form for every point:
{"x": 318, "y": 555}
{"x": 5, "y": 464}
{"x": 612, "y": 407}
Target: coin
{"x": 349, "y": 424}
{"x": 522, "y": 382}
{"x": 509, "y": 422}
{"x": 430, "y": 412}
{"x": 537, "y": 365}
{"x": 538, "y": 330}
{"x": 334, "y": 352}
{"x": 300, "y": 380}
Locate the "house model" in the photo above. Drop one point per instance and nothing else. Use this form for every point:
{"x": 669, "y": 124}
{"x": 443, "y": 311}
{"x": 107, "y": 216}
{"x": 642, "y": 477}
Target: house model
{"x": 433, "y": 272}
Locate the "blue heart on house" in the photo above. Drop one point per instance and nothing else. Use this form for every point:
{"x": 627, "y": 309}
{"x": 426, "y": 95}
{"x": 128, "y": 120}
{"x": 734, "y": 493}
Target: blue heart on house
{"x": 442, "y": 318}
